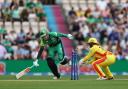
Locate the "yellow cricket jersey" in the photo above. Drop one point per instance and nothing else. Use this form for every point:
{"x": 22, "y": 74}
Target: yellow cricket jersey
{"x": 97, "y": 52}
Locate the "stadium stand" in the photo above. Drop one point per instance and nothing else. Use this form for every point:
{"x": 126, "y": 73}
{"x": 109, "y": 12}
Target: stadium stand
{"x": 107, "y": 21}
{"x": 20, "y": 24}
{"x": 104, "y": 19}
{"x": 22, "y": 20}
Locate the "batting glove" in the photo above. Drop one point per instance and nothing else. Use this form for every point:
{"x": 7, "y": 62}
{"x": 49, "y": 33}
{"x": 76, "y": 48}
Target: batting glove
{"x": 81, "y": 62}
{"x": 35, "y": 63}
{"x": 70, "y": 36}
{"x": 88, "y": 62}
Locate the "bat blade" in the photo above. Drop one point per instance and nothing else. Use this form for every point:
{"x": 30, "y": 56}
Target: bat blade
{"x": 22, "y": 73}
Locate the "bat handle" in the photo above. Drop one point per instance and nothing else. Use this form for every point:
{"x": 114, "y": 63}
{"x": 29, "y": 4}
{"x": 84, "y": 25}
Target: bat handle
{"x": 31, "y": 66}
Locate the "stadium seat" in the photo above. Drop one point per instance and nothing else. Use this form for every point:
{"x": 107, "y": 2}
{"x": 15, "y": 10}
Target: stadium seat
{"x": 65, "y": 1}
{"x": 32, "y": 17}
{"x": 123, "y": 1}
{"x": 66, "y": 5}
{"x": 1, "y": 1}
{"x": 17, "y": 27}
{"x": 20, "y": 9}
{"x": 67, "y": 8}
{"x": 82, "y": 1}
{"x": 74, "y": 4}
{"x": 91, "y": 4}
{"x": 41, "y": 24}
{"x": 82, "y": 4}
{"x": 74, "y": 1}
{"x": 117, "y": 1}
{"x": 25, "y": 27}
{"x": 92, "y": 1}
{"x": 35, "y": 27}
{"x": 1, "y": 23}
{"x": 8, "y": 26}
{"x": 9, "y": 1}
{"x": 84, "y": 7}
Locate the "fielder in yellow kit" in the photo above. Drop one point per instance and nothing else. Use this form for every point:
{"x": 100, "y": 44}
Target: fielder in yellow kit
{"x": 102, "y": 59}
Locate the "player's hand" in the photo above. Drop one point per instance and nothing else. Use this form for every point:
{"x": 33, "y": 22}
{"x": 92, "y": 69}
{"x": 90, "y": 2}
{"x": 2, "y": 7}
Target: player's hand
{"x": 35, "y": 63}
{"x": 70, "y": 36}
{"x": 81, "y": 62}
{"x": 87, "y": 62}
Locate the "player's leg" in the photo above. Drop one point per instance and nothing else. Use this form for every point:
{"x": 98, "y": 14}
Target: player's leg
{"x": 108, "y": 73}
{"x": 61, "y": 55}
{"x": 51, "y": 62}
{"x": 110, "y": 60}
{"x": 97, "y": 68}
{"x": 53, "y": 67}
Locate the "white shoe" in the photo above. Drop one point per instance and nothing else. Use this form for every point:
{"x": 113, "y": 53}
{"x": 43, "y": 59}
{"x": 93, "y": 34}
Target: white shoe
{"x": 101, "y": 78}
{"x": 55, "y": 78}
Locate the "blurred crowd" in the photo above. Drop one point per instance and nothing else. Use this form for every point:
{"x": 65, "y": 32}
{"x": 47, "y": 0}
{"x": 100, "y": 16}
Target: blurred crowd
{"x": 22, "y": 10}
{"x": 20, "y": 45}
{"x": 106, "y": 21}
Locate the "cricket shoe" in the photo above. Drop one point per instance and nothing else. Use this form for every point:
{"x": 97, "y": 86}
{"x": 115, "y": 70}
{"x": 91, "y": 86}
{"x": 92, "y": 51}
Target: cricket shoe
{"x": 111, "y": 78}
{"x": 101, "y": 78}
{"x": 56, "y": 78}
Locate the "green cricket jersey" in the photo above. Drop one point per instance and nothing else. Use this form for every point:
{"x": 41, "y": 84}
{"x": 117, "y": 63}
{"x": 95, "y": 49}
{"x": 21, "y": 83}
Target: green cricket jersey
{"x": 53, "y": 39}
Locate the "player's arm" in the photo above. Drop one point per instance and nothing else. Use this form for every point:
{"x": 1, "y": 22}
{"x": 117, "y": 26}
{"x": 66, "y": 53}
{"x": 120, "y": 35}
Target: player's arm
{"x": 42, "y": 44}
{"x": 89, "y": 55}
{"x": 40, "y": 52}
{"x": 35, "y": 63}
{"x": 91, "y": 61}
{"x": 61, "y": 35}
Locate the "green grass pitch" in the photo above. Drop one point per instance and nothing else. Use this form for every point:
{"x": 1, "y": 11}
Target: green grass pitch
{"x": 46, "y": 82}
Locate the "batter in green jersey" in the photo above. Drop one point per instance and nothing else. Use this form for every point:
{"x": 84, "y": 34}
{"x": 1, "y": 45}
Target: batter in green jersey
{"x": 55, "y": 47}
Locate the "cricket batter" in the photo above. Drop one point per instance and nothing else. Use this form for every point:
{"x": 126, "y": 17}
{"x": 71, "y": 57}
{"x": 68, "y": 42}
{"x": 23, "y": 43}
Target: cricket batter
{"x": 55, "y": 47}
{"x": 102, "y": 59}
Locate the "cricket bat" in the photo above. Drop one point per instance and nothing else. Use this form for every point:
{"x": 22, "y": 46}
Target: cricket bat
{"x": 23, "y": 72}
